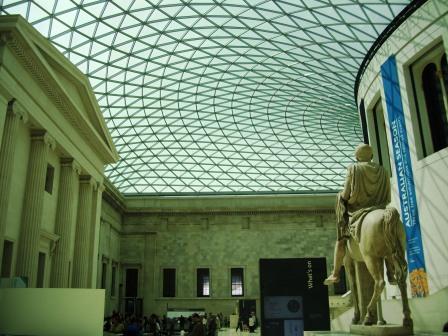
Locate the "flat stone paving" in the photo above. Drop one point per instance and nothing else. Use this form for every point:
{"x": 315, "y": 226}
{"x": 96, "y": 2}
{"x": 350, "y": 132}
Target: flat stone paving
{"x": 232, "y": 332}
{"x": 344, "y": 333}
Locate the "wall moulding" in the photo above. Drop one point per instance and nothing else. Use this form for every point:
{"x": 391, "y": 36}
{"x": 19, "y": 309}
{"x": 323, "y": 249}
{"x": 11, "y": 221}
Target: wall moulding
{"x": 175, "y": 213}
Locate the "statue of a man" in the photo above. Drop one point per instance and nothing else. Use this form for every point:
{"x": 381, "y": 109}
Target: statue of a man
{"x": 366, "y": 188}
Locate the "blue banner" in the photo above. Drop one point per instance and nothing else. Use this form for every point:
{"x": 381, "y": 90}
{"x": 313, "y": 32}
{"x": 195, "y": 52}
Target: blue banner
{"x": 405, "y": 178}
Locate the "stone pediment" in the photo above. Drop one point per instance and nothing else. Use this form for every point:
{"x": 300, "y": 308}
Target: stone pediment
{"x": 79, "y": 93}
{"x": 65, "y": 85}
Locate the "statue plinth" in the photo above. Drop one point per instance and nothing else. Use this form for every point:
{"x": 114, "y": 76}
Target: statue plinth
{"x": 381, "y": 330}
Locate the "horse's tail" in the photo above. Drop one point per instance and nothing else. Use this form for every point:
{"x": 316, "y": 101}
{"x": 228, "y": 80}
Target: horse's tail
{"x": 394, "y": 239}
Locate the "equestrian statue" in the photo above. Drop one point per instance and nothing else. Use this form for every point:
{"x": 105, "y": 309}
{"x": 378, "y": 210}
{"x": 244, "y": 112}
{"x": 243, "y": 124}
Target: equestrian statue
{"x": 371, "y": 232}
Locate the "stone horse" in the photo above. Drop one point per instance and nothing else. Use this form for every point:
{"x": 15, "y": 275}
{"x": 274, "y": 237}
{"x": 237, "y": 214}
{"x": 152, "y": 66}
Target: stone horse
{"x": 381, "y": 240}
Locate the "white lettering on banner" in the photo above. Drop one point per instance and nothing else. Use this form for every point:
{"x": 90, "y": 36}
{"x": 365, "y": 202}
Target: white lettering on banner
{"x": 309, "y": 273}
{"x": 401, "y": 174}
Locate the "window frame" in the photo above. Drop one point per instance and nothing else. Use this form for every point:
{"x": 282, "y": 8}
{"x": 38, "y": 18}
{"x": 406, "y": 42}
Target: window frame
{"x": 8, "y": 251}
{"x": 104, "y": 272}
{"x": 42, "y": 265}
{"x": 200, "y": 283}
{"x": 49, "y": 178}
{"x": 233, "y": 284}
{"x": 378, "y": 133}
{"x": 113, "y": 279}
{"x": 168, "y": 292}
{"x": 125, "y": 275}
{"x": 419, "y": 113}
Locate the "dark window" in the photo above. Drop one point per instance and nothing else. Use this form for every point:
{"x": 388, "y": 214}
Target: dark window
{"x": 362, "y": 113}
{"x": 41, "y": 270}
{"x": 203, "y": 282}
{"x": 169, "y": 282}
{"x": 49, "y": 179}
{"x": 382, "y": 147}
{"x": 103, "y": 275}
{"x": 237, "y": 281}
{"x": 131, "y": 282}
{"x": 444, "y": 66}
{"x": 7, "y": 258}
{"x": 113, "y": 279}
{"x": 433, "y": 91}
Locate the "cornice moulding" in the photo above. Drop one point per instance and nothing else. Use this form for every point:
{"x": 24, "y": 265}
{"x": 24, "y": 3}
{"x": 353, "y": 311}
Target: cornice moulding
{"x": 259, "y": 212}
{"x": 113, "y": 196}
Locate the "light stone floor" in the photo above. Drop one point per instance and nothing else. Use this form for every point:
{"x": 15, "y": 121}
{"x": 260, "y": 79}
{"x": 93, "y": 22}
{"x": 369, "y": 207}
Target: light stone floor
{"x": 232, "y": 332}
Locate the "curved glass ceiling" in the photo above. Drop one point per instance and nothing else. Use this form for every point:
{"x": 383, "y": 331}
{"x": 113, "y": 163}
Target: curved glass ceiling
{"x": 224, "y": 96}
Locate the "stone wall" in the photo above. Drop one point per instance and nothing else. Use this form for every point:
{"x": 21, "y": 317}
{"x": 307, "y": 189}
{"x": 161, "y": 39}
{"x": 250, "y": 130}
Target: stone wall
{"x": 109, "y": 254}
{"x": 218, "y": 241}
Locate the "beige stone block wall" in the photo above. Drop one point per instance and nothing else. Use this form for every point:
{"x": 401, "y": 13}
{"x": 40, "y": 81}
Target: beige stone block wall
{"x": 109, "y": 252}
{"x": 218, "y": 242}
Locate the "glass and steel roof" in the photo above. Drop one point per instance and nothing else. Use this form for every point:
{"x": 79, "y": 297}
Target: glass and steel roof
{"x": 220, "y": 96}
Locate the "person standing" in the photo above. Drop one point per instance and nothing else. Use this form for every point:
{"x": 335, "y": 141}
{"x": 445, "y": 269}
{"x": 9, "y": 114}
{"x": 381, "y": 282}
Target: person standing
{"x": 239, "y": 324}
{"x": 198, "y": 327}
{"x": 252, "y": 322}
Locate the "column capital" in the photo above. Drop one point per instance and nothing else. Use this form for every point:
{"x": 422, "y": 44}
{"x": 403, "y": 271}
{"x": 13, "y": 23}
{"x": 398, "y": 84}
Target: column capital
{"x": 97, "y": 186}
{"x": 71, "y": 163}
{"x": 101, "y": 187}
{"x": 42, "y": 135}
{"x": 18, "y": 110}
{"x": 87, "y": 179}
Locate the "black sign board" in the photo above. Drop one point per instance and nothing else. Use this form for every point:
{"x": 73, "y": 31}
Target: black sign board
{"x": 293, "y": 296}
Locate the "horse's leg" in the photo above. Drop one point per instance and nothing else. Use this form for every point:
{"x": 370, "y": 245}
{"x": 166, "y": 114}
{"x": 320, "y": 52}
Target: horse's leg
{"x": 379, "y": 309}
{"x": 407, "y": 320}
{"x": 376, "y": 269}
{"x": 390, "y": 270}
{"x": 350, "y": 269}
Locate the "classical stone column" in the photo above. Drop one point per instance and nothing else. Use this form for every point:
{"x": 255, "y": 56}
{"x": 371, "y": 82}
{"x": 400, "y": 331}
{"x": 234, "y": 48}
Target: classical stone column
{"x": 14, "y": 115}
{"x": 95, "y": 234}
{"x": 65, "y": 220}
{"x": 27, "y": 254}
{"x": 82, "y": 237}
{"x": 3, "y": 110}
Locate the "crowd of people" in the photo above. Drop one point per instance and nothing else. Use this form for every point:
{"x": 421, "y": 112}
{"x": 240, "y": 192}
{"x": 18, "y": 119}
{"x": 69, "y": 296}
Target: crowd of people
{"x": 194, "y": 325}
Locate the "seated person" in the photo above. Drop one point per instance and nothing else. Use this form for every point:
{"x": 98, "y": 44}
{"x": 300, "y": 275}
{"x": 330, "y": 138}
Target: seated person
{"x": 366, "y": 188}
